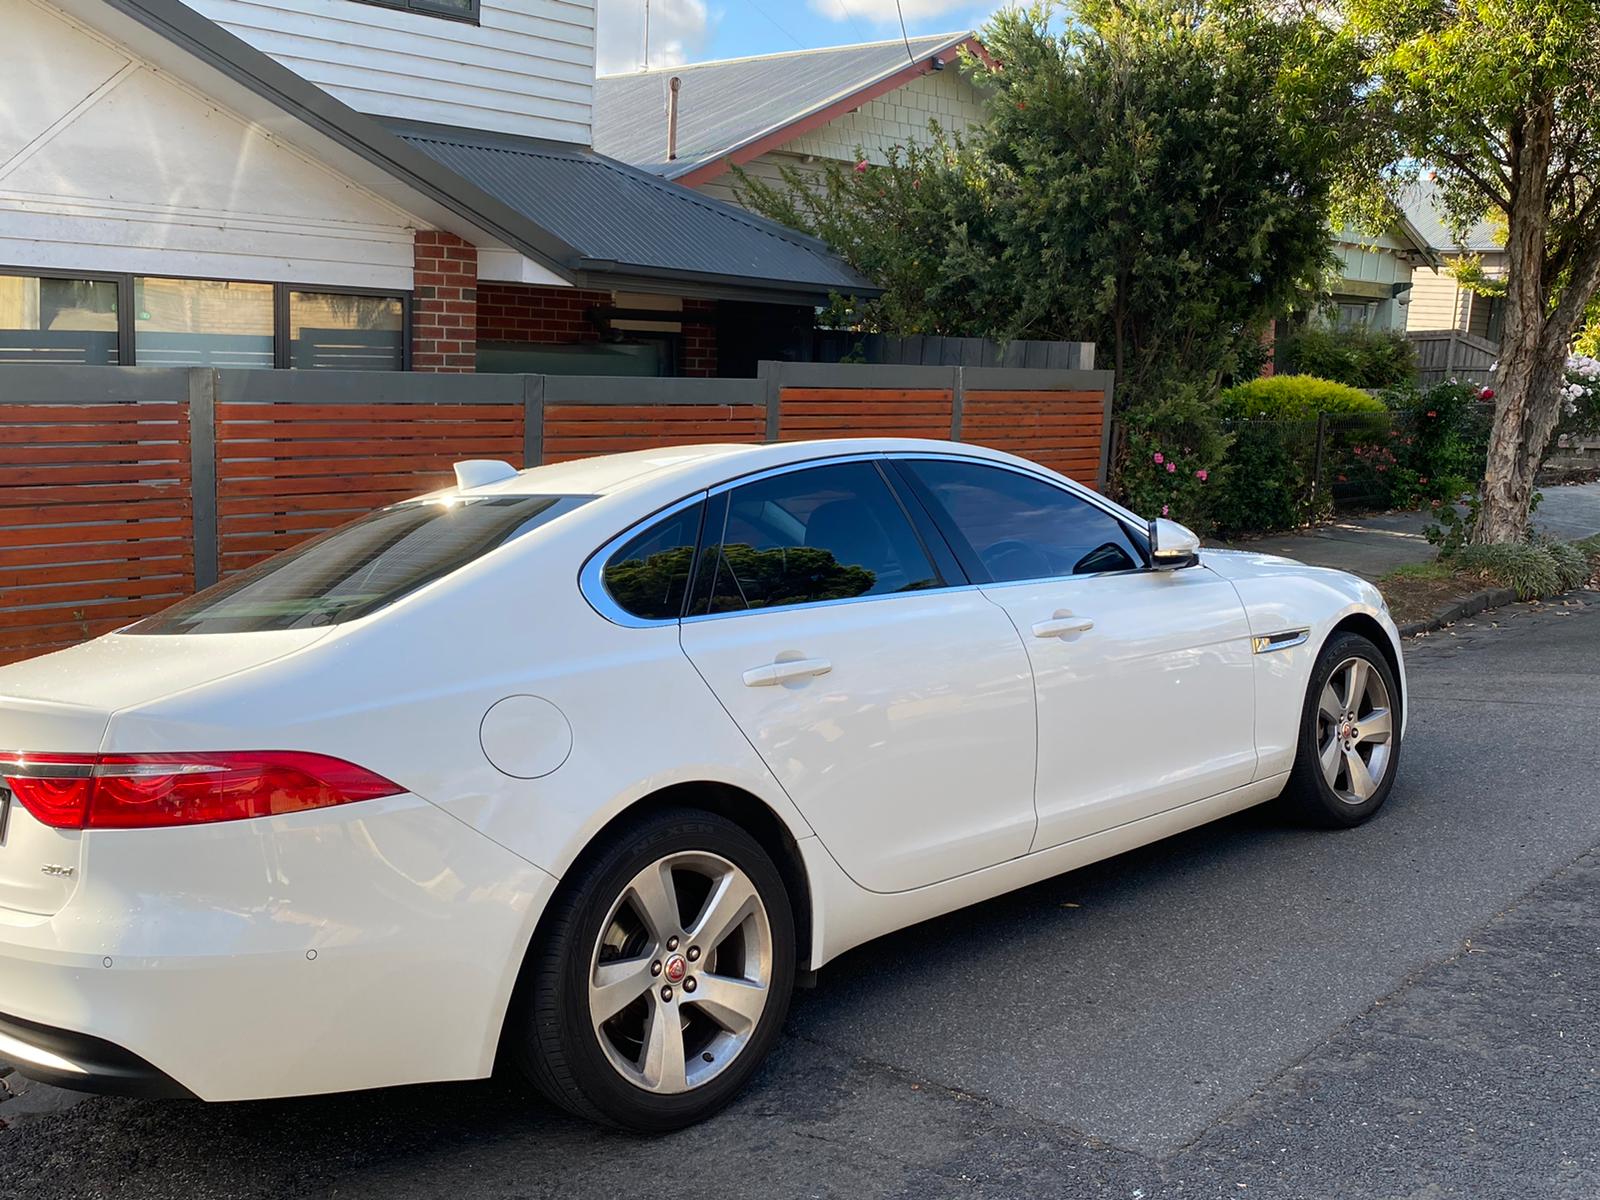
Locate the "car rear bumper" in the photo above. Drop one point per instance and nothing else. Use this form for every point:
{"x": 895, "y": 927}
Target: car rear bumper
{"x": 82, "y": 1063}
{"x": 330, "y": 950}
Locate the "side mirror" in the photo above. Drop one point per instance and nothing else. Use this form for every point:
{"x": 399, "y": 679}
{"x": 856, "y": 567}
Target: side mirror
{"x": 1172, "y": 546}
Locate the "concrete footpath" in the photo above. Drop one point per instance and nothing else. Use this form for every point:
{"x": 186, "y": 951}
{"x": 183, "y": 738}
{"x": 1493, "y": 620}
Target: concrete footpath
{"x": 1373, "y": 546}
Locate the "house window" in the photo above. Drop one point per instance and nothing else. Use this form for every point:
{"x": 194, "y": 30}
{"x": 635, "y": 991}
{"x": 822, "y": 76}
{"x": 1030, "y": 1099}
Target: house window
{"x": 457, "y": 10}
{"x": 154, "y": 321}
{"x": 1354, "y": 314}
{"x": 59, "y": 319}
{"x": 345, "y": 332}
{"x": 202, "y": 323}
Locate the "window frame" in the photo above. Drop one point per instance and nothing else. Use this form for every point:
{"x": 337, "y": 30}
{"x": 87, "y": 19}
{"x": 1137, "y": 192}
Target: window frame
{"x": 1140, "y": 537}
{"x": 940, "y": 556}
{"x": 126, "y": 319}
{"x": 423, "y": 9}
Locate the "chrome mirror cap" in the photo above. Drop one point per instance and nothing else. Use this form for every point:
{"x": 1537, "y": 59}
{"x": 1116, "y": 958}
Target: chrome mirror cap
{"x": 1172, "y": 545}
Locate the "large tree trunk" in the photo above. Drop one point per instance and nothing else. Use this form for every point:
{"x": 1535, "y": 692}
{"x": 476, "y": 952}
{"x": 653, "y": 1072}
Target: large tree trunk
{"x": 1508, "y": 478}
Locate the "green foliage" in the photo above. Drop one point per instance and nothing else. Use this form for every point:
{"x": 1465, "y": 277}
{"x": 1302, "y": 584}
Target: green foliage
{"x": 1296, "y": 397}
{"x": 1267, "y": 483}
{"x": 1155, "y": 178}
{"x": 1572, "y": 564}
{"x": 1360, "y": 357}
{"x": 1525, "y": 568}
{"x": 1171, "y": 452}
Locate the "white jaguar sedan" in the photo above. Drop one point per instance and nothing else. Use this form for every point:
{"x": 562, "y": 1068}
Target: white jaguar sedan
{"x": 580, "y": 768}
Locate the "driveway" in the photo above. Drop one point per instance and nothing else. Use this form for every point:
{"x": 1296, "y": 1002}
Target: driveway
{"x": 1403, "y": 1010}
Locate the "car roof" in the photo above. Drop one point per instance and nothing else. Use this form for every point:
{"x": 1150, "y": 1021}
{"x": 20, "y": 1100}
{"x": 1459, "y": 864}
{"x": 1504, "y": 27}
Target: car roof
{"x": 698, "y": 465}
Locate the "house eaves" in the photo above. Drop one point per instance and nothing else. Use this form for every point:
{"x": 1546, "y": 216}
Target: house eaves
{"x": 806, "y": 272}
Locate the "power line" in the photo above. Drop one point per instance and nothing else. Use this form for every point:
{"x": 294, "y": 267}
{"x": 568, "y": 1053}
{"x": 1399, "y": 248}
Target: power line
{"x": 854, "y": 24}
{"x": 910, "y": 57}
{"x": 773, "y": 22}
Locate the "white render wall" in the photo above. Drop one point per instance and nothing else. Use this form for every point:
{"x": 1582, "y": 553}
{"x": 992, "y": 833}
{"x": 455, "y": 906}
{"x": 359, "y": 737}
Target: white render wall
{"x": 107, "y": 164}
{"x": 896, "y": 118}
{"x": 527, "y": 68}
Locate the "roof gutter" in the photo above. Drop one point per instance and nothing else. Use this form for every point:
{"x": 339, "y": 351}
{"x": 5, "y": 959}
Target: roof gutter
{"x": 605, "y": 273}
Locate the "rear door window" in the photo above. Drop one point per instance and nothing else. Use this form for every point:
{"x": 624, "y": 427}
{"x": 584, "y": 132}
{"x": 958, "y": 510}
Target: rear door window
{"x": 832, "y": 532}
{"x": 360, "y": 567}
{"x": 648, "y": 575}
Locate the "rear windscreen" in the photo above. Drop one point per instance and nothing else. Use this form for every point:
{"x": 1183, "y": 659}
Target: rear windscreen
{"x": 360, "y": 567}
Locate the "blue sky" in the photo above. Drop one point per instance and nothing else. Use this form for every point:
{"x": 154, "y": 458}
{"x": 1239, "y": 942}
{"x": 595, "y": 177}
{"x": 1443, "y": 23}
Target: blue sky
{"x": 695, "y": 30}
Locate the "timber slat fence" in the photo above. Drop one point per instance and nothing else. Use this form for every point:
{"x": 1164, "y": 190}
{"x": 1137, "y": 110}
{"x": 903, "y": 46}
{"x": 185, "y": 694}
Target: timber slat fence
{"x": 123, "y": 489}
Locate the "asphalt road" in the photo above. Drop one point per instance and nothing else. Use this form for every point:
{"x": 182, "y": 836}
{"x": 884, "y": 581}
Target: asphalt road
{"x": 1404, "y": 1010}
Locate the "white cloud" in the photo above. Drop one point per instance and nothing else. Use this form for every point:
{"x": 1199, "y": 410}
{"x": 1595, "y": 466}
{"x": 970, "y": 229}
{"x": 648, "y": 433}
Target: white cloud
{"x": 679, "y": 31}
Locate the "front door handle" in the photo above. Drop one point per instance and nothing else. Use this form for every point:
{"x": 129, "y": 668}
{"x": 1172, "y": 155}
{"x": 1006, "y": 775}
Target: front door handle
{"x": 1060, "y": 625}
{"x": 783, "y": 672}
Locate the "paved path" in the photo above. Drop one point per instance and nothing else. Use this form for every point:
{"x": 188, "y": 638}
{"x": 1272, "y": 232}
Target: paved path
{"x": 1374, "y": 546}
{"x": 1404, "y": 1010}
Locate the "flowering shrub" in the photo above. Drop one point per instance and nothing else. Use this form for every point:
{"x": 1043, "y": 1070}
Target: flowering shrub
{"x": 1171, "y": 451}
{"x": 1580, "y": 395}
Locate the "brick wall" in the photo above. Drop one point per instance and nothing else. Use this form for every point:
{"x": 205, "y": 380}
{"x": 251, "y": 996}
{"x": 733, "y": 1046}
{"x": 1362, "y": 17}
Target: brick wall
{"x": 444, "y": 306}
{"x": 513, "y": 312}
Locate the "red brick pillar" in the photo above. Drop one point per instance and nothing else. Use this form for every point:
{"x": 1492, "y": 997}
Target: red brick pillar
{"x": 444, "y": 304}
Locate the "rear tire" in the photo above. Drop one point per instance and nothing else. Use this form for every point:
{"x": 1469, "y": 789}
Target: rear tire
{"x": 1349, "y": 741}
{"x": 661, "y": 977}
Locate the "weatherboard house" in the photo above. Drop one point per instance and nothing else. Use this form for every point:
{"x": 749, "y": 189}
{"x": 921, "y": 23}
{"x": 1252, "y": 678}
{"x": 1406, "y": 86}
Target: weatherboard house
{"x": 356, "y": 184}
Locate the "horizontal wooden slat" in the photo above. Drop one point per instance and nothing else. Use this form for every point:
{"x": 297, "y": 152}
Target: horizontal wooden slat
{"x": 351, "y": 502}
{"x": 100, "y": 415}
{"x": 381, "y": 413}
{"x": 26, "y": 642}
{"x": 861, "y": 396}
{"x": 57, "y": 594}
{"x": 66, "y": 535}
{"x": 144, "y": 566}
{"x": 288, "y": 468}
{"x": 92, "y": 552}
{"x": 15, "y": 478}
{"x": 340, "y": 485}
{"x": 167, "y": 436}
{"x": 229, "y": 431}
{"x": 64, "y": 514}
{"x": 127, "y": 453}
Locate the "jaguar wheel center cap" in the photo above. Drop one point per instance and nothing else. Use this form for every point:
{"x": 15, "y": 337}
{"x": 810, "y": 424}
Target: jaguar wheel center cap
{"x": 677, "y": 967}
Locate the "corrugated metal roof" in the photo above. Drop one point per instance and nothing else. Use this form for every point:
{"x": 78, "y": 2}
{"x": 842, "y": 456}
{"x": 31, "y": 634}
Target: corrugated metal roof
{"x": 617, "y": 218}
{"x": 722, "y": 105}
{"x": 1421, "y": 206}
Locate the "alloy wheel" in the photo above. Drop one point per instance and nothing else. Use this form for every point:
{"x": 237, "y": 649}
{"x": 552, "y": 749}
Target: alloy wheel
{"x": 1355, "y": 731}
{"x": 681, "y": 972}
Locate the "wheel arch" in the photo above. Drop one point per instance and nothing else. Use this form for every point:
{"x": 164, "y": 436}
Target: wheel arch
{"x": 1372, "y": 629}
{"x": 746, "y": 810}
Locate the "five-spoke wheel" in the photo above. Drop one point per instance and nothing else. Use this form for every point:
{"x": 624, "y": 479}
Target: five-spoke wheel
{"x": 1349, "y": 735}
{"x": 661, "y": 974}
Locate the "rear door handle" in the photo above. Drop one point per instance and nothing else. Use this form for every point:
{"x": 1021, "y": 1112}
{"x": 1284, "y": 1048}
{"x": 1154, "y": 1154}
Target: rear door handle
{"x": 1061, "y": 625}
{"x": 783, "y": 672}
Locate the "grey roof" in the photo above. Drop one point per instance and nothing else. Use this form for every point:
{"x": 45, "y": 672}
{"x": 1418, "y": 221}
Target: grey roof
{"x": 724, "y": 105}
{"x": 1421, "y": 205}
{"x": 591, "y": 220}
{"x": 618, "y": 219}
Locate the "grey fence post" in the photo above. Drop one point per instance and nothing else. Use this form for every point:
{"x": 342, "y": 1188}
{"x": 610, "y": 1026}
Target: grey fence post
{"x": 533, "y": 420}
{"x": 958, "y": 402}
{"x": 770, "y": 373}
{"x": 203, "y": 472}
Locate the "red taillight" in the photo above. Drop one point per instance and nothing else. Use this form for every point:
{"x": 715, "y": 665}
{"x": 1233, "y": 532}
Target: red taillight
{"x": 141, "y": 791}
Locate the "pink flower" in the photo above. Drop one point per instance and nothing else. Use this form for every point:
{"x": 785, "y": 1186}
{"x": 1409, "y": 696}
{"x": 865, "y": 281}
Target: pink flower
{"x": 1158, "y": 458}
{"x": 1486, "y": 394}
{"x": 1163, "y": 510}
{"x": 1431, "y": 413}
{"x": 1171, "y": 467}
{"x": 1202, "y": 474}
{"x": 861, "y": 167}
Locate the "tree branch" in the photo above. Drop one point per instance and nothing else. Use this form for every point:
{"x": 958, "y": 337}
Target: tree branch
{"x": 1462, "y": 163}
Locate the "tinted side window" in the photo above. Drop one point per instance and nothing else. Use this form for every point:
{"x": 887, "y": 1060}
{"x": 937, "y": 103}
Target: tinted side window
{"x": 649, "y": 575}
{"x": 1018, "y": 527}
{"x": 827, "y": 533}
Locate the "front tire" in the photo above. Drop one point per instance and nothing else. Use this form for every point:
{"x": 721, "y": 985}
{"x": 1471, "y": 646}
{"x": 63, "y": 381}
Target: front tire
{"x": 1349, "y": 744}
{"x": 662, "y": 975}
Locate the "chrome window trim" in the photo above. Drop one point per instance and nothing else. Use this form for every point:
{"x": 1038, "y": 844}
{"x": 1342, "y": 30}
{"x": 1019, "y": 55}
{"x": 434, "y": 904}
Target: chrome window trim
{"x": 946, "y": 590}
{"x": 591, "y": 576}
